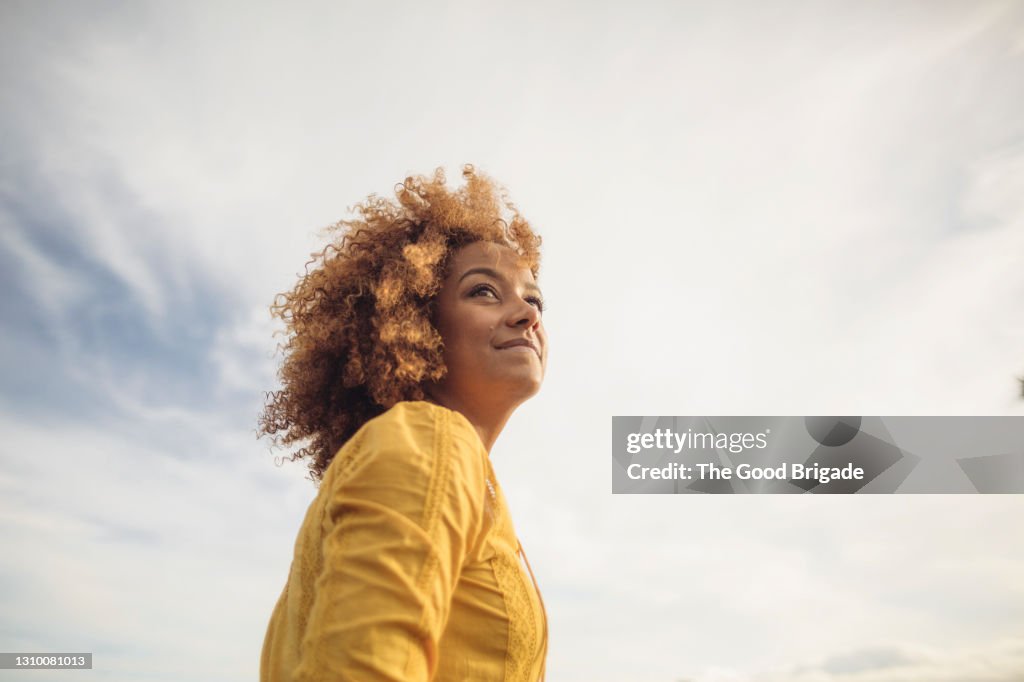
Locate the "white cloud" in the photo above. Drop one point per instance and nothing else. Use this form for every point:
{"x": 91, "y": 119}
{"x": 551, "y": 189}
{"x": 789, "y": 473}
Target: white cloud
{"x": 997, "y": 661}
{"x": 155, "y": 561}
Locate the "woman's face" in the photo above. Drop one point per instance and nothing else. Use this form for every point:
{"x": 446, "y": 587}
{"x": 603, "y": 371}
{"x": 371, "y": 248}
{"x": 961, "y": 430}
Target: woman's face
{"x": 488, "y": 313}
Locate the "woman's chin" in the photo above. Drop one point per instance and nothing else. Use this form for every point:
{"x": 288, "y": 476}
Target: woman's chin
{"x": 522, "y": 388}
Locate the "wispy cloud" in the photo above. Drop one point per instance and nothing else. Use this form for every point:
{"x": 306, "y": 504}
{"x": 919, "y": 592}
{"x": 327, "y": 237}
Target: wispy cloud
{"x": 999, "y": 661}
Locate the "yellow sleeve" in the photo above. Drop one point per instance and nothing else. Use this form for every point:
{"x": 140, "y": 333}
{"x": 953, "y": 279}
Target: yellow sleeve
{"x": 398, "y": 524}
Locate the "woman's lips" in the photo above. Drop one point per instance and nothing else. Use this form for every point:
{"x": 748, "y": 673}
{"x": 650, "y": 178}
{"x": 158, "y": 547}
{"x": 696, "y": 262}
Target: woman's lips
{"x": 521, "y": 346}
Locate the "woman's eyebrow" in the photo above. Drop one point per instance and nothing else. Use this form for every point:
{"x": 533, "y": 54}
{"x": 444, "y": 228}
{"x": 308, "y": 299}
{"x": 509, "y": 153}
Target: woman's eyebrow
{"x": 491, "y": 272}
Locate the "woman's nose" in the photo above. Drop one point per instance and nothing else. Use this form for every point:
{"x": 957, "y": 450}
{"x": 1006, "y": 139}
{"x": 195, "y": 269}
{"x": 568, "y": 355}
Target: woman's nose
{"x": 526, "y": 314}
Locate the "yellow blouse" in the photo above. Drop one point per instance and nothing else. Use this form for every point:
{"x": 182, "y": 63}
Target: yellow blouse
{"x": 406, "y": 566}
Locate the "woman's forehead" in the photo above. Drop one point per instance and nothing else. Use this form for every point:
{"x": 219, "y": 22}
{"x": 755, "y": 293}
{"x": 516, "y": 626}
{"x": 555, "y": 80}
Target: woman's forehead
{"x": 490, "y": 255}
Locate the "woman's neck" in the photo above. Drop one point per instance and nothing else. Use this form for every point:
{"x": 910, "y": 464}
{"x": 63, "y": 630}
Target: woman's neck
{"x": 486, "y": 417}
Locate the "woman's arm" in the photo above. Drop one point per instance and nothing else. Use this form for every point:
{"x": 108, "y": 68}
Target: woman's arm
{"x": 397, "y": 529}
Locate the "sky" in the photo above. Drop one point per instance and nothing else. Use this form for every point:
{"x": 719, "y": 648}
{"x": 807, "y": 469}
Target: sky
{"x": 747, "y": 208}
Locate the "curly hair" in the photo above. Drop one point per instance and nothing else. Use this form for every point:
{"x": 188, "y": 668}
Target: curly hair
{"x": 359, "y": 327}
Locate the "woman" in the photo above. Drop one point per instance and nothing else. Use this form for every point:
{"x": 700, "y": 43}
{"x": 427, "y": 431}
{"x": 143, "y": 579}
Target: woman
{"x": 410, "y": 344}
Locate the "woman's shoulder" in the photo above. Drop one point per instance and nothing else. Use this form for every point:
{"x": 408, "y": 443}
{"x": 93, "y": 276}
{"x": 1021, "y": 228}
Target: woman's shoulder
{"x": 418, "y": 418}
{"x": 412, "y": 410}
{"x": 407, "y": 447}
{"x": 416, "y": 427}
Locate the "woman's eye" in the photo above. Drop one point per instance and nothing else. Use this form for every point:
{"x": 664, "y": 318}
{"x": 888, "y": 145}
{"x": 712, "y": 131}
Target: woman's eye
{"x": 533, "y": 300}
{"x": 483, "y": 289}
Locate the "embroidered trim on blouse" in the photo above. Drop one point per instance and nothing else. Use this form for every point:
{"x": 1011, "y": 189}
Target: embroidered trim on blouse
{"x": 510, "y": 577}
